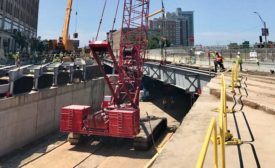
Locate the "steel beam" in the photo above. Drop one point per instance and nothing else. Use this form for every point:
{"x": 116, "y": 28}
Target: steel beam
{"x": 186, "y": 78}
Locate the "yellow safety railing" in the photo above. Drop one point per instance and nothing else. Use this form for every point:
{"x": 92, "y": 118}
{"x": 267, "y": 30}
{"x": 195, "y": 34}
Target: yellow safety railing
{"x": 235, "y": 72}
{"x": 224, "y": 138}
{"x": 211, "y": 134}
{"x": 228, "y": 137}
{"x": 233, "y": 78}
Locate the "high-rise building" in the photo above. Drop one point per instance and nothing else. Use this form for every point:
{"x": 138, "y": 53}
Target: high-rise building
{"x": 177, "y": 27}
{"x": 17, "y": 16}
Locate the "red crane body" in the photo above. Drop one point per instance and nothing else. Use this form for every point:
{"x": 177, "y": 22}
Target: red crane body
{"x": 120, "y": 113}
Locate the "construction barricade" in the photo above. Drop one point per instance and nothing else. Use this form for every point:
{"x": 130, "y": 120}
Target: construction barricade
{"x": 236, "y": 82}
{"x": 211, "y": 134}
{"x": 228, "y": 137}
{"x": 225, "y": 137}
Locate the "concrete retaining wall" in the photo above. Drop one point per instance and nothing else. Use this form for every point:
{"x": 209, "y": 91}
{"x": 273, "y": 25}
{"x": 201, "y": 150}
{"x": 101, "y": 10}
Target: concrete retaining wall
{"x": 27, "y": 117}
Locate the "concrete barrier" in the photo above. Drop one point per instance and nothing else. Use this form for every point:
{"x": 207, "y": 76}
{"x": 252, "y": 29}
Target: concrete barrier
{"x": 28, "y": 117}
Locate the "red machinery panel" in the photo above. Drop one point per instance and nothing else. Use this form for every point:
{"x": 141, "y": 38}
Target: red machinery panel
{"x": 97, "y": 122}
{"x": 119, "y": 115}
{"x": 123, "y": 122}
{"x": 72, "y": 118}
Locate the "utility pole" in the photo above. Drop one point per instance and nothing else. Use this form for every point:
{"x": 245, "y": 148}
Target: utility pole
{"x": 264, "y": 32}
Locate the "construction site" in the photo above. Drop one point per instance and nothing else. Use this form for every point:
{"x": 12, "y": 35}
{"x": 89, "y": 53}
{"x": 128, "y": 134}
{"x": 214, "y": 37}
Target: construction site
{"x": 125, "y": 105}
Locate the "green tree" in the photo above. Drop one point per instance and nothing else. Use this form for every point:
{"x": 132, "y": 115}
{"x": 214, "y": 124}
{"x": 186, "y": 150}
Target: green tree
{"x": 20, "y": 39}
{"x": 37, "y": 45}
{"x": 157, "y": 41}
{"x": 233, "y": 46}
{"x": 153, "y": 43}
{"x": 245, "y": 44}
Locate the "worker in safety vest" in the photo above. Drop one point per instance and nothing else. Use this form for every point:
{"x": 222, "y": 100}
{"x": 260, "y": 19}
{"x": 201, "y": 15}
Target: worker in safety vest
{"x": 239, "y": 60}
{"x": 17, "y": 59}
{"x": 211, "y": 56}
{"x": 218, "y": 62}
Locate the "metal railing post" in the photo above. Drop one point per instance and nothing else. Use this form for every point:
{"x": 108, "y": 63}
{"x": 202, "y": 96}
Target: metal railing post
{"x": 233, "y": 79}
{"x": 226, "y": 137}
{"x": 222, "y": 124}
{"x": 215, "y": 144}
{"x": 211, "y": 132}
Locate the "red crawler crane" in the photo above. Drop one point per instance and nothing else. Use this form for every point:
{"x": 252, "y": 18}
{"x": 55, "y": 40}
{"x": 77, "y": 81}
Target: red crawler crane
{"x": 120, "y": 113}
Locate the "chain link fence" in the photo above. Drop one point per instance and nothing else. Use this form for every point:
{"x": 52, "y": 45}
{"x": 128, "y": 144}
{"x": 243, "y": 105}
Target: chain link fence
{"x": 249, "y": 55}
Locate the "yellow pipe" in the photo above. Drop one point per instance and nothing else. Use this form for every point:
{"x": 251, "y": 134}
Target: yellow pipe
{"x": 236, "y": 66}
{"x": 215, "y": 144}
{"x": 232, "y": 79}
{"x": 224, "y": 103}
{"x": 205, "y": 145}
{"x": 222, "y": 127}
{"x": 155, "y": 13}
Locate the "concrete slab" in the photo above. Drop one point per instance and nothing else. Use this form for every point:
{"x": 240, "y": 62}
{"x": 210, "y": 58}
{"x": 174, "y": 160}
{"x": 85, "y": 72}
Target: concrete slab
{"x": 253, "y": 125}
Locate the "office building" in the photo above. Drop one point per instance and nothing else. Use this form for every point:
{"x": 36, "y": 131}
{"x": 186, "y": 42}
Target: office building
{"x": 17, "y": 16}
{"x": 177, "y": 27}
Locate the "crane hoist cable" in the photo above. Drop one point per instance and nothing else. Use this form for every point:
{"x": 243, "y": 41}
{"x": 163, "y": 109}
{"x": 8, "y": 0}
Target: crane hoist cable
{"x": 114, "y": 22}
{"x": 163, "y": 33}
{"x": 99, "y": 26}
{"x": 76, "y": 16}
{"x": 113, "y": 27}
{"x": 163, "y": 18}
{"x": 163, "y": 9}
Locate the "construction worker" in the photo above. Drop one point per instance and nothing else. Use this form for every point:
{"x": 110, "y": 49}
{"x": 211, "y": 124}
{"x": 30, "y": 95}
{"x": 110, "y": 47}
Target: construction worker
{"x": 257, "y": 61}
{"x": 17, "y": 59}
{"x": 240, "y": 60}
{"x": 56, "y": 58}
{"x": 211, "y": 56}
{"x": 218, "y": 62}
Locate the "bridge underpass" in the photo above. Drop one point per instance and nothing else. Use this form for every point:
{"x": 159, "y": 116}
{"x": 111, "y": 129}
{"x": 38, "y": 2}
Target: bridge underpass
{"x": 189, "y": 79}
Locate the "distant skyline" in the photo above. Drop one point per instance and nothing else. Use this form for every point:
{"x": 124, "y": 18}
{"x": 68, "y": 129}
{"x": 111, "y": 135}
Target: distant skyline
{"x": 217, "y": 22}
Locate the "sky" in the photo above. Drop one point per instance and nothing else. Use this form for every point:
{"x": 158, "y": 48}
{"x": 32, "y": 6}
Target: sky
{"x": 216, "y": 22}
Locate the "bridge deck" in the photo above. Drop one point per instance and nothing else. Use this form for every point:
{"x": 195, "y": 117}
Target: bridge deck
{"x": 254, "y": 125}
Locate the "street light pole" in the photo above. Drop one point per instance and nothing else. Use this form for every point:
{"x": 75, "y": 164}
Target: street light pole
{"x": 265, "y": 35}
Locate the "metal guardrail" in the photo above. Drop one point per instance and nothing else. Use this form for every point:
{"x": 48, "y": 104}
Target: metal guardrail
{"x": 228, "y": 136}
{"x": 228, "y": 54}
{"x": 212, "y": 132}
{"x": 225, "y": 137}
